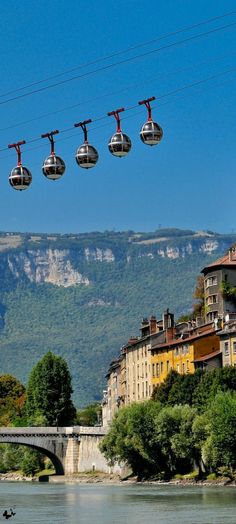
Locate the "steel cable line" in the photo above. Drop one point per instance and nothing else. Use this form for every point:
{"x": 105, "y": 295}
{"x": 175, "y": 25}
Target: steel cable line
{"x": 159, "y": 97}
{"x": 127, "y": 50}
{"x": 121, "y": 62}
{"x": 66, "y": 108}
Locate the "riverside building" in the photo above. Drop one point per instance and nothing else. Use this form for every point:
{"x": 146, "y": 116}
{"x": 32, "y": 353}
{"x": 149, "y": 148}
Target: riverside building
{"x": 206, "y": 343}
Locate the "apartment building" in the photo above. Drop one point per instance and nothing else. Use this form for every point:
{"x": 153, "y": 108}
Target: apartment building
{"x": 228, "y": 343}
{"x": 220, "y": 286}
{"x": 207, "y": 343}
{"x": 186, "y": 349}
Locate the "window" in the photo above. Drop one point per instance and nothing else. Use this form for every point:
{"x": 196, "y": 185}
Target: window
{"x": 146, "y": 388}
{"x": 212, "y": 299}
{"x": 157, "y": 369}
{"x": 183, "y": 367}
{"x": 161, "y": 367}
{"x": 185, "y": 349}
{"x": 146, "y": 369}
{"x": 226, "y": 348}
{"x": 138, "y": 371}
{"x": 234, "y": 347}
{"x": 211, "y": 281}
{"x": 138, "y": 392}
{"x": 212, "y": 315}
{"x": 153, "y": 370}
{"x": 167, "y": 366}
{"x": 187, "y": 370}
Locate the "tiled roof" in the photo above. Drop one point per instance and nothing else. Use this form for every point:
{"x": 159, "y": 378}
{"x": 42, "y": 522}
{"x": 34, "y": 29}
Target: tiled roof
{"x": 223, "y": 261}
{"x": 208, "y": 357}
{"x": 178, "y": 341}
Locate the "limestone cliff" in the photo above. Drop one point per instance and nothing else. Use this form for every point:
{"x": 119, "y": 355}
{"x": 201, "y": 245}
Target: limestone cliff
{"x": 49, "y": 265}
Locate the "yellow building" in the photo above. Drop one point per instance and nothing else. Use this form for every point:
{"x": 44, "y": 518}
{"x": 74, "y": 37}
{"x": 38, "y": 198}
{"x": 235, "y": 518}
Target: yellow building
{"x": 199, "y": 347}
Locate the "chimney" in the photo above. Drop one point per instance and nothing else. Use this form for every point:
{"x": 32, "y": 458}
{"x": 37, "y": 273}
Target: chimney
{"x": 153, "y": 324}
{"x": 232, "y": 253}
{"x": 148, "y": 326}
{"x": 168, "y": 320}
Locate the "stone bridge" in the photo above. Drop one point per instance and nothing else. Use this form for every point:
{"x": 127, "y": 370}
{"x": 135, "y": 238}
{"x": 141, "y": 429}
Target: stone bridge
{"x": 71, "y": 449}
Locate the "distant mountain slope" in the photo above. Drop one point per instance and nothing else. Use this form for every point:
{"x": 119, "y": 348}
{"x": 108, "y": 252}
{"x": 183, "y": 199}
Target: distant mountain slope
{"x": 82, "y": 296}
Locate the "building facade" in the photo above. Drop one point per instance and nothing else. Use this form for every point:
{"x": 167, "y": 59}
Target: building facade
{"x": 220, "y": 287}
{"x": 228, "y": 344}
{"x": 206, "y": 343}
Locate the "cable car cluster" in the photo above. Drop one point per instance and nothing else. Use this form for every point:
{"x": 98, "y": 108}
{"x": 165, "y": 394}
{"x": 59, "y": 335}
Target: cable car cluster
{"x": 86, "y": 156}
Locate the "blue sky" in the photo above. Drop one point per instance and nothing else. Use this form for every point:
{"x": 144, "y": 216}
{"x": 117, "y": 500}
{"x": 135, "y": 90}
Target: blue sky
{"x": 187, "y": 181}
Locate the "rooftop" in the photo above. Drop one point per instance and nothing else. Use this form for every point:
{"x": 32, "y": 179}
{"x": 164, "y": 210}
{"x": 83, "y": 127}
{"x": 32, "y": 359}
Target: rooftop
{"x": 211, "y": 355}
{"x": 229, "y": 259}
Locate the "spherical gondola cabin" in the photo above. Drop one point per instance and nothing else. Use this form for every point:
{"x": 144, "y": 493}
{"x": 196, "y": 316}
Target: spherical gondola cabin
{"x": 119, "y": 144}
{"x": 151, "y": 133}
{"x": 53, "y": 167}
{"x": 86, "y": 156}
{"x": 20, "y": 178}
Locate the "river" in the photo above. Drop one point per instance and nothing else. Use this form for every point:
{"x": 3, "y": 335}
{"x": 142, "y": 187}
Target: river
{"x": 70, "y": 503}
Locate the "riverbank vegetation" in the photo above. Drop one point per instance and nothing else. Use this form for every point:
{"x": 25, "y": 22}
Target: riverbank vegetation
{"x": 190, "y": 423}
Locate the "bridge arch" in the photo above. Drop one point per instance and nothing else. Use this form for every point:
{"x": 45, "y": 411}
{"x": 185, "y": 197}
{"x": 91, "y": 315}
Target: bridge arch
{"x": 71, "y": 449}
{"x": 56, "y": 461}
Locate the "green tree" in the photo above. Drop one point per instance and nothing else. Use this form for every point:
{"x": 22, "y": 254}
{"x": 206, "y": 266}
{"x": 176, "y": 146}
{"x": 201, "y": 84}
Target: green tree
{"x": 49, "y": 393}
{"x": 12, "y": 399}
{"x": 32, "y": 462}
{"x": 182, "y": 391}
{"x": 220, "y": 447}
{"x": 173, "y": 433}
{"x": 162, "y": 391}
{"x": 222, "y": 379}
{"x": 10, "y": 457}
{"x": 89, "y": 416}
{"x": 130, "y": 439}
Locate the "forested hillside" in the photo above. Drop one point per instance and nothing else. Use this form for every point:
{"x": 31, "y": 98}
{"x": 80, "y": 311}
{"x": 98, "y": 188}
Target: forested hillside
{"x": 82, "y": 296}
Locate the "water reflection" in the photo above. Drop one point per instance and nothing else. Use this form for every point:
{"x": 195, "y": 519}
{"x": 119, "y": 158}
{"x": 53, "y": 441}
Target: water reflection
{"x": 100, "y": 504}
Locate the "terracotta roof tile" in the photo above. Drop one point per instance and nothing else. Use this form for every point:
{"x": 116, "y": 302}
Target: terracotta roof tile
{"x": 208, "y": 357}
{"x": 223, "y": 261}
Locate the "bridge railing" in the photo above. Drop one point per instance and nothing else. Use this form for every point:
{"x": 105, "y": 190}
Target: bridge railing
{"x": 52, "y": 430}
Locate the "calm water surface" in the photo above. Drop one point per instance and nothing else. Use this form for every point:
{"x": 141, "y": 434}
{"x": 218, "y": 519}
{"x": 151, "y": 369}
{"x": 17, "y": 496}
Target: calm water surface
{"x": 101, "y": 504}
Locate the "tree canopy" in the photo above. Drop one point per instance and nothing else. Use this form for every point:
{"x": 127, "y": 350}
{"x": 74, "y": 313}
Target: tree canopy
{"x": 189, "y": 423}
{"x": 12, "y": 398}
{"x": 49, "y": 393}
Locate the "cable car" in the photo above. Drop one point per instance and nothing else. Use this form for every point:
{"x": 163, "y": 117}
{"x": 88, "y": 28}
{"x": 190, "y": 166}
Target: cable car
{"x": 53, "y": 167}
{"x": 86, "y": 155}
{"x": 119, "y": 144}
{"x": 151, "y": 133}
{"x": 20, "y": 177}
